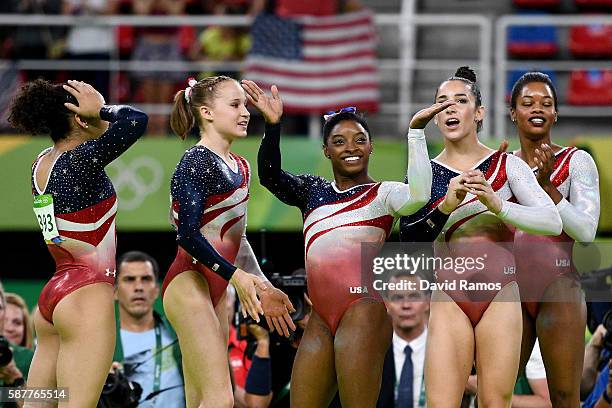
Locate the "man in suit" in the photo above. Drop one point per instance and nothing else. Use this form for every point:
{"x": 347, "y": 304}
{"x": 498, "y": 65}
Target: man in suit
{"x": 402, "y": 379}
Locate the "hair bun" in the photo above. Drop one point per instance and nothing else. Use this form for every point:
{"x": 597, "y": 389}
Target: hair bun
{"x": 466, "y": 73}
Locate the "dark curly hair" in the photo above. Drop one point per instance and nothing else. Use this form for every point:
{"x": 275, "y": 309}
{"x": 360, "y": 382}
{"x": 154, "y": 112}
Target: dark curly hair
{"x": 39, "y": 108}
{"x": 528, "y": 78}
{"x": 467, "y": 75}
{"x": 339, "y": 117}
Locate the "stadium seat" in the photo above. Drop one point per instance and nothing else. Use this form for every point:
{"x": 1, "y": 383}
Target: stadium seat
{"x": 513, "y": 76}
{"x": 536, "y": 3}
{"x": 186, "y": 38}
{"x": 594, "y": 3}
{"x": 124, "y": 90}
{"x": 126, "y": 40}
{"x": 532, "y": 41}
{"x": 591, "y": 41}
{"x": 593, "y": 87}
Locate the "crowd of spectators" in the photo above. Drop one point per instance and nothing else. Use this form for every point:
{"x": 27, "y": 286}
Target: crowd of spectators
{"x": 84, "y": 52}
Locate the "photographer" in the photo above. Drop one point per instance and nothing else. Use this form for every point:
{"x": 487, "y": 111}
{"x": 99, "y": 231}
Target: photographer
{"x": 146, "y": 344}
{"x": 14, "y": 360}
{"x": 268, "y": 380}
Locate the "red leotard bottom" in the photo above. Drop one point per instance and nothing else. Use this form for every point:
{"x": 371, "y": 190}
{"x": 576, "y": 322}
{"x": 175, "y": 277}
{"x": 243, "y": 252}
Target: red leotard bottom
{"x": 185, "y": 262}
{"x": 334, "y": 288}
{"x": 332, "y": 309}
{"x": 68, "y": 277}
{"x": 480, "y": 284}
{"x": 540, "y": 260}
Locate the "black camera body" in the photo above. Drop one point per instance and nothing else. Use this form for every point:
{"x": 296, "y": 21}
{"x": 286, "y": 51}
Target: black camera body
{"x": 294, "y": 286}
{"x": 119, "y": 392}
{"x": 6, "y": 354}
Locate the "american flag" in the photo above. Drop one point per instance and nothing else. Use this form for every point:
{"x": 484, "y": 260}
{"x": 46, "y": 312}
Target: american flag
{"x": 318, "y": 63}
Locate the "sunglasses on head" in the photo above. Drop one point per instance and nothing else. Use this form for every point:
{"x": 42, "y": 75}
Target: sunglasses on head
{"x": 331, "y": 114}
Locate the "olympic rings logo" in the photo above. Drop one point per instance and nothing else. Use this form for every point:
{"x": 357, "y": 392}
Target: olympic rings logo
{"x": 135, "y": 180}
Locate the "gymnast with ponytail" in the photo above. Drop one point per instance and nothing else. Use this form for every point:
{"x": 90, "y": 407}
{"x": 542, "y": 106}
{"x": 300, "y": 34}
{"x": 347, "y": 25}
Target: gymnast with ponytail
{"x": 209, "y": 194}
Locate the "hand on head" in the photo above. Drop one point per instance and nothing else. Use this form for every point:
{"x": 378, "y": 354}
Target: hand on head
{"x": 90, "y": 101}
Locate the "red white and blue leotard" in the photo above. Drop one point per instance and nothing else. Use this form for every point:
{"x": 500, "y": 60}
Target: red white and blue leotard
{"x": 471, "y": 230}
{"x": 542, "y": 259}
{"x": 209, "y": 204}
{"x": 85, "y": 205}
{"x": 337, "y": 222}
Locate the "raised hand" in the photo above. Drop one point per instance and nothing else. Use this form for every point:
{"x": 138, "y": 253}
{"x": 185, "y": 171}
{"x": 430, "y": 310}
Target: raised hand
{"x": 455, "y": 195}
{"x": 480, "y": 187}
{"x": 545, "y": 160}
{"x": 90, "y": 101}
{"x": 276, "y": 306}
{"x": 246, "y": 289}
{"x": 422, "y": 117}
{"x": 271, "y": 107}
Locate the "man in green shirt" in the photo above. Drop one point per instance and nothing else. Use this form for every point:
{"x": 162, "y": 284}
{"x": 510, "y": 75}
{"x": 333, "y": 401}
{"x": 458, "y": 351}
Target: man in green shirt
{"x": 14, "y": 373}
{"x": 146, "y": 345}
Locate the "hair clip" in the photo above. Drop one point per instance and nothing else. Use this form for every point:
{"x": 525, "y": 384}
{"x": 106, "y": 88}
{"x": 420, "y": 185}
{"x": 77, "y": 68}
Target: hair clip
{"x": 331, "y": 114}
{"x": 191, "y": 83}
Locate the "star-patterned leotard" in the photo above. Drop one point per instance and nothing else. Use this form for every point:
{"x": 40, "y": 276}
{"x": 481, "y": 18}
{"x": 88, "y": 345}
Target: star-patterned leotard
{"x": 337, "y": 222}
{"x": 209, "y": 204}
{"x": 85, "y": 205}
{"x": 542, "y": 259}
